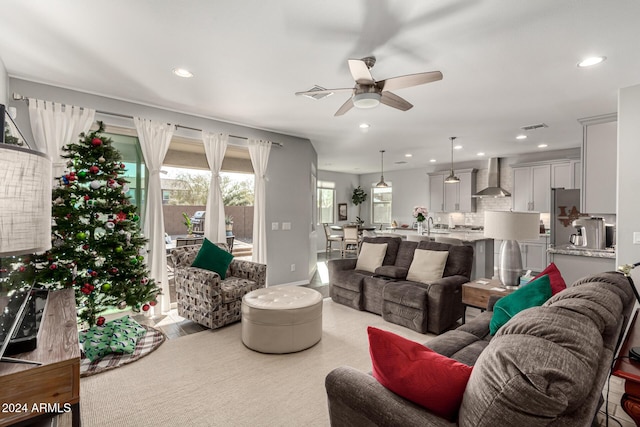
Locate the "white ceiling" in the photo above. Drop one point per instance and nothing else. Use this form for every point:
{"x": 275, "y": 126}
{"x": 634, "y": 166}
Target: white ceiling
{"x": 506, "y": 64}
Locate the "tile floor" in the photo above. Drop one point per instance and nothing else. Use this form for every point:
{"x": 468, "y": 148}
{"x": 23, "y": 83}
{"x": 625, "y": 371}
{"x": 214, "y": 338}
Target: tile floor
{"x": 175, "y": 327}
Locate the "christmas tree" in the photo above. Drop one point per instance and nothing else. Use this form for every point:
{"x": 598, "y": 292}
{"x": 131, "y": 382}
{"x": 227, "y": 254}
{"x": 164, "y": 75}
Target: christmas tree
{"x": 97, "y": 247}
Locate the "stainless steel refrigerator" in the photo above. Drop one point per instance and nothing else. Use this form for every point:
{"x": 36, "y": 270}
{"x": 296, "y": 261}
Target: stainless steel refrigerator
{"x": 565, "y": 207}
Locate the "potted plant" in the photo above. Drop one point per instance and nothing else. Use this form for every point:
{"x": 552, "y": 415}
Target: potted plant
{"x": 358, "y": 197}
{"x": 228, "y": 224}
{"x": 188, "y": 224}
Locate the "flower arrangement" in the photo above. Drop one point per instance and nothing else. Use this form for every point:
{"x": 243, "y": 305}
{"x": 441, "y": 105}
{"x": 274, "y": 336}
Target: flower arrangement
{"x": 420, "y": 213}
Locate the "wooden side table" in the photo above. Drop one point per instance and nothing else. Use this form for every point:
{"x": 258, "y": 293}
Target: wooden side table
{"x": 630, "y": 371}
{"x": 476, "y": 294}
{"x": 30, "y": 391}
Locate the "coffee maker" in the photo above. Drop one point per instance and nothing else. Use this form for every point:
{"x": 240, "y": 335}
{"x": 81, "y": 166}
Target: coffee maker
{"x": 590, "y": 233}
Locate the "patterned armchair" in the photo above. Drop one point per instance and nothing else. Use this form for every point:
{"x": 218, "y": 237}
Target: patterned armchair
{"x": 206, "y": 299}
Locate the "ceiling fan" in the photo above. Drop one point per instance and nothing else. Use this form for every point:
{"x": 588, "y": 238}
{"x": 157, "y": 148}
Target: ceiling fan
{"x": 368, "y": 93}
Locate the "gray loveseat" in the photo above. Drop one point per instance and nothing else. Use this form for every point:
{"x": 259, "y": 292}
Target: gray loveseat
{"x": 546, "y": 367}
{"x": 433, "y": 307}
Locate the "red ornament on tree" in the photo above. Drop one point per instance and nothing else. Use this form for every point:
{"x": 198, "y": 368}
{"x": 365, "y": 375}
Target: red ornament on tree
{"x": 53, "y": 266}
{"x": 94, "y": 169}
{"x": 145, "y": 307}
{"x": 122, "y": 166}
{"x": 86, "y": 197}
{"x": 96, "y": 142}
{"x": 153, "y": 303}
{"x": 100, "y": 321}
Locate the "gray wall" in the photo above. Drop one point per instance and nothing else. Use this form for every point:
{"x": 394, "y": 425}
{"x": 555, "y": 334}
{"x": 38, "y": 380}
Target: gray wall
{"x": 289, "y": 172}
{"x": 628, "y": 209}
{"x": 4, "y": 84}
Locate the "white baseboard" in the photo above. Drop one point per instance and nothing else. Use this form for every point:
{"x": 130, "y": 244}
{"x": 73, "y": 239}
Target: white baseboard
{"x": 298, "y": 283}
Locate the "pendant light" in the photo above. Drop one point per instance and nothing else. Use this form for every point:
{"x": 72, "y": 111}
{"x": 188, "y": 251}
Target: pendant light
{"x": 451, "y": 179}
{"x": 382, "y": 184}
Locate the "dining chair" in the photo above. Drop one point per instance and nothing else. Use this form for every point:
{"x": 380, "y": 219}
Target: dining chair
{"x": 330, "y": 238}
{"x": 188, "y": 241}
{"x": 351, "y": 239}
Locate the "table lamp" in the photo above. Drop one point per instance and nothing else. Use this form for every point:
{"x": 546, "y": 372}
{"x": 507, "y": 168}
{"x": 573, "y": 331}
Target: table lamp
{"x": 510, "y": 226}
{"x": 25, "y": 201}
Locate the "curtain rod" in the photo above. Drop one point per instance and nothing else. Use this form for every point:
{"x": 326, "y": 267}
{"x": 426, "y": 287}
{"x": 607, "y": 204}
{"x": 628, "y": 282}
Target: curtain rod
{"x": 18, "y": 97}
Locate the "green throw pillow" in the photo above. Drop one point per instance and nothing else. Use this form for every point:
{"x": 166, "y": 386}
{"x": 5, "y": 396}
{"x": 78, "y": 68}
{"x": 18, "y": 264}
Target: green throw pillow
{"x": 533, "y": 294}
{"x": 126, "y": 333}
{"x": 213, "y": 258}
{"x": 95, "y": 341}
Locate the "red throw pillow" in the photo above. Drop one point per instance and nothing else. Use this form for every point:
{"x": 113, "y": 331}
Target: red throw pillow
{"x": 417, "y": 373}
{"x": 557, "y": 282}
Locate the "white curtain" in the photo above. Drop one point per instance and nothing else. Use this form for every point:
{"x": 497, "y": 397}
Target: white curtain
{"x": 155, "y": 138}
{"x": 215, "y": 146}
{"x": 56, "y": 125}
{"x": 259, "y": 152}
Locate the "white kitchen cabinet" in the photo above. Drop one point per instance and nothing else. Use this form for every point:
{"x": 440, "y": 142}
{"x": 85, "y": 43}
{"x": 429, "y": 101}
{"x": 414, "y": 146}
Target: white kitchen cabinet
{"x": 574, "y": 267}
{"x": 531, "y": 187}
{"x": 534, "y": 254}
{"x": 436, "y": 192}
{"x": 453, "y": 197}
{"x": 599, "y": 151}
{"x": 566, "y": 174}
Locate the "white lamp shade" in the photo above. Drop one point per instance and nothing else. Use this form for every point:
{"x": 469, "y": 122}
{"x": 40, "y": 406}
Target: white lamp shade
{"x": 25, "y": 201}
{"x": 509, "y": 225}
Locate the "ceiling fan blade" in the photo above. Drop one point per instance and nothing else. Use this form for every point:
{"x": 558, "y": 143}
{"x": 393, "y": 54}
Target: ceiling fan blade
{"x": 324, "y": 91}
{"x": 345, "y": 107}
{"x": 393, "y": 100}
{"x": 401, "y": 82}
{"x": 360, "y": 72}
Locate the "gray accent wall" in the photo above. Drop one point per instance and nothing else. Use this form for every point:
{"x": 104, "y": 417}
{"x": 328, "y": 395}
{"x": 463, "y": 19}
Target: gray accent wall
{"x": 289, "y": 189}
{"x": 4, "y": 84}
{"x": 628, "y": 177}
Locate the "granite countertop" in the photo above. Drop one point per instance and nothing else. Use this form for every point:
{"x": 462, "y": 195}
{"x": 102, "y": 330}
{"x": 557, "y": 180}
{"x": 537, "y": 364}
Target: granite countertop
{"x": 572, "y": 250}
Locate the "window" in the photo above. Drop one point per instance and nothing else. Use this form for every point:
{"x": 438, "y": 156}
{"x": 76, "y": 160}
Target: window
{"x": 135, "y": 170}
{"x": 326, "y": 201}
{"x": 381, "y": 205}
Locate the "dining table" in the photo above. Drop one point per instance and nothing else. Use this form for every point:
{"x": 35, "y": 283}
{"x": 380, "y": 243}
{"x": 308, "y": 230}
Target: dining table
{"x": 360, "y": 228}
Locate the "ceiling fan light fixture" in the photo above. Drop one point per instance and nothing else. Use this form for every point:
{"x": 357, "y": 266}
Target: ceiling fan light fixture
{"x": 366, "y": 100}
{"x": 452, "y": 178}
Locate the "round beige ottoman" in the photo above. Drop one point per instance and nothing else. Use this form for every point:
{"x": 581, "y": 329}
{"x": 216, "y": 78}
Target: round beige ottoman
{"x": 281, "y": 319}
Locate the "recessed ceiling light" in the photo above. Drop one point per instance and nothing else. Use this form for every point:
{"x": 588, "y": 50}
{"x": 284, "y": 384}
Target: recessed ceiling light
{"x": 480, "y": 154}
{"x": 432, "y": 160}
{"x": 593, "y": 60}
{"x": 458, "y": 147}
{"x": 542, "y": 145}
{"x": 521, "y": 137}
{"x": 364, "y": 125}
{"x": 182, "y": 72}
{"x": 408, "y": 155}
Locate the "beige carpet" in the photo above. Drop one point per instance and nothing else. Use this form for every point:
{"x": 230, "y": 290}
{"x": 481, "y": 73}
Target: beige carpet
{"x": 211, "y": 379}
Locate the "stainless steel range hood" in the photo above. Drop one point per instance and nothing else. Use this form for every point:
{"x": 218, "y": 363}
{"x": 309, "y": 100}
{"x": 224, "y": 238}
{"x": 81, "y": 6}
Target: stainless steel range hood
{"x": 493, "y": 185}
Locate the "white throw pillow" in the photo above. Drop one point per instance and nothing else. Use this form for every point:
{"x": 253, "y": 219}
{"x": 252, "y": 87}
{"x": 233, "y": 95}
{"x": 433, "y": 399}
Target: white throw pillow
{"x": 371, "y": 256}
{"x": 427, "y": 266}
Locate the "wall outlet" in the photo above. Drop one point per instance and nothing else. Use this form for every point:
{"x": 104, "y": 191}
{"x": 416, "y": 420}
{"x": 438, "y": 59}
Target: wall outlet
{"x": 636, "y": 237}
{"x": 274, "y": 226}
{"x": 286, "y": 226}
{"x": 293, "y": 267}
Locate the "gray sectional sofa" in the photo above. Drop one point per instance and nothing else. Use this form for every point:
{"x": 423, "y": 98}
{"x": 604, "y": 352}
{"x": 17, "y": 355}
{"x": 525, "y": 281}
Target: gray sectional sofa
{"x": 545, "y": 367}
{"x": 434, "y": 307}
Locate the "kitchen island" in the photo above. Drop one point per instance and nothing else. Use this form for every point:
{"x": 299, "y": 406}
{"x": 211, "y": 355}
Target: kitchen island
{"x": 482, "y": 246}
{"x": 575, "y": 262}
